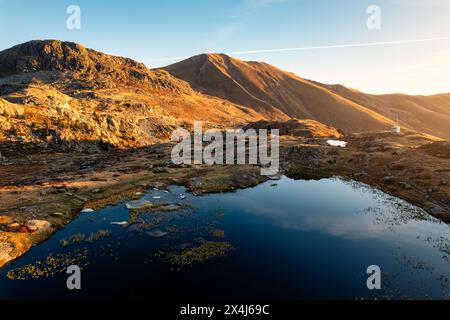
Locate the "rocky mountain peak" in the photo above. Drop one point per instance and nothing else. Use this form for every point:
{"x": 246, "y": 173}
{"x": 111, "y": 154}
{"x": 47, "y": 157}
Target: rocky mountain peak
{"x": 58, "y": 56}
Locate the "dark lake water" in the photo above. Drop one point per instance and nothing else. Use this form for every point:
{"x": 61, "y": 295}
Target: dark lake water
{"x": 290, "y": 240}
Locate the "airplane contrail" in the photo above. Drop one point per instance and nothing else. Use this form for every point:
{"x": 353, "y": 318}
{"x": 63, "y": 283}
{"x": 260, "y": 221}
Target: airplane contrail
{"x": 337, "y": 46}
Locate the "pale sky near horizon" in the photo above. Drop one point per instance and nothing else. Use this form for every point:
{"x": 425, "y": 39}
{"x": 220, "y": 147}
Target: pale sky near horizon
{"x": 153, "y": 30}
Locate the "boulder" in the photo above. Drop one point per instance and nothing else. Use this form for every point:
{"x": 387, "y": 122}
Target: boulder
{"x": 57, "y": 214}
{"x": 298, "y": 128}
{"x": 38, "y": 226}
{"x": 436, "y": 210}
{"x": 157, "y": 233}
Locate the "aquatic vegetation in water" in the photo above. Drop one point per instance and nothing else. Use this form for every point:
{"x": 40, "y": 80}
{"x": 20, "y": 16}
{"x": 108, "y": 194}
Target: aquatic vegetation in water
{"x": 130, "y": 194}
{"x": 76, "y": 238}
{"x": 154, "y": 208}
{"x": 80, "y": 237}
{"x": 337, "y": 143}
{"x": 219, "y": 214}
{"x": 218, "y": 233}
{"x": 49, "y": 267}
{"x": 202, "y": 253}
{"x": 100, "y": 234}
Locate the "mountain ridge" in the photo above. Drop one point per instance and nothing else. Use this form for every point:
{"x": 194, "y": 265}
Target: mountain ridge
{"x": 211, "y": 87}
{"x": 346, "y": 109}
{"x": 78, "y": 98}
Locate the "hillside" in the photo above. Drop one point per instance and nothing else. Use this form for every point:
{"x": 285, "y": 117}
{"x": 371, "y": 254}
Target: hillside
{"x": 64, "y": 96}
{"x": 270, "y": 90}
{"x": 428, "y": 114}
{"x": 69, "y": 96}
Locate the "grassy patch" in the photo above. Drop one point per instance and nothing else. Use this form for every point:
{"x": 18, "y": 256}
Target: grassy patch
{"x": 220, "y": 234}
{"x": 80, "y": 237}
{"x": 202, "y": 253}
{"x": 49, "y": 267}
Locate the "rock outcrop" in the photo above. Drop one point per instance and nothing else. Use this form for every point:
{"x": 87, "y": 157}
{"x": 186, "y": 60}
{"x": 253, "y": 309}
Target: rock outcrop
{"x": 62, "y": 96}
{"x": 298, "y": 128}
{"x": 18, "y": 238}
{"x": 58, "y": 56}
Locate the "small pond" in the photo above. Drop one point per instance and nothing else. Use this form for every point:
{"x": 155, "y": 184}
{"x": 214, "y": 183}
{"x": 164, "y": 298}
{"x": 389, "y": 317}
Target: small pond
{"x": 283, "y": 239}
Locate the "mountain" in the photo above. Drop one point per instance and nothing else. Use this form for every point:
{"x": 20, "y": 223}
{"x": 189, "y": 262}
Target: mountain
{"x": 428, "y": 114}
{"x": 62, "y": 95}
{"x": 70, "y": 96}
{"x": 269, "y": 90}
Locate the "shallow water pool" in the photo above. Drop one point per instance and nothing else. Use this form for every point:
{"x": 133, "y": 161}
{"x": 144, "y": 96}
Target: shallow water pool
{"x": 280, "y": 240}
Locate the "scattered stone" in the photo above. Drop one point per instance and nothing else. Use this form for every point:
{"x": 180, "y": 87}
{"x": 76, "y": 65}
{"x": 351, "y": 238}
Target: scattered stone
{"x": 157, "y": 233}
{"x": 57, "y": 214}
{"x": 276, "y": 176}
{"x": 407, "y": 186}
{"x": 120, "y": 223}
{"x": 87, "y": 165}
{"x": 3, "y": 159}
{"x": 436, "y": 209}
{"x": 389, "y": 180}
{"x": 337, "y": 143}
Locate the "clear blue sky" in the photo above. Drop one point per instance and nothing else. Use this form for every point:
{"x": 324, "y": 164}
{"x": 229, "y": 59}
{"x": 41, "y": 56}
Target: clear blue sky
{"x": 153, "y": 29}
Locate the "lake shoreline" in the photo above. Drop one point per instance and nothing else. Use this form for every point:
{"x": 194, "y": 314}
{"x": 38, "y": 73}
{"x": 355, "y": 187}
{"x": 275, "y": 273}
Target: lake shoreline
{"x": 55, "y": 187}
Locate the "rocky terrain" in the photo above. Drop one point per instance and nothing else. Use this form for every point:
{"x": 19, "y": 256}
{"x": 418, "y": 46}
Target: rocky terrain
{"x": 298, "y": 128}
{"x": 80, "y": 129}
{"x": 63, "y": 96}
{"x": 49, "y": 187}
